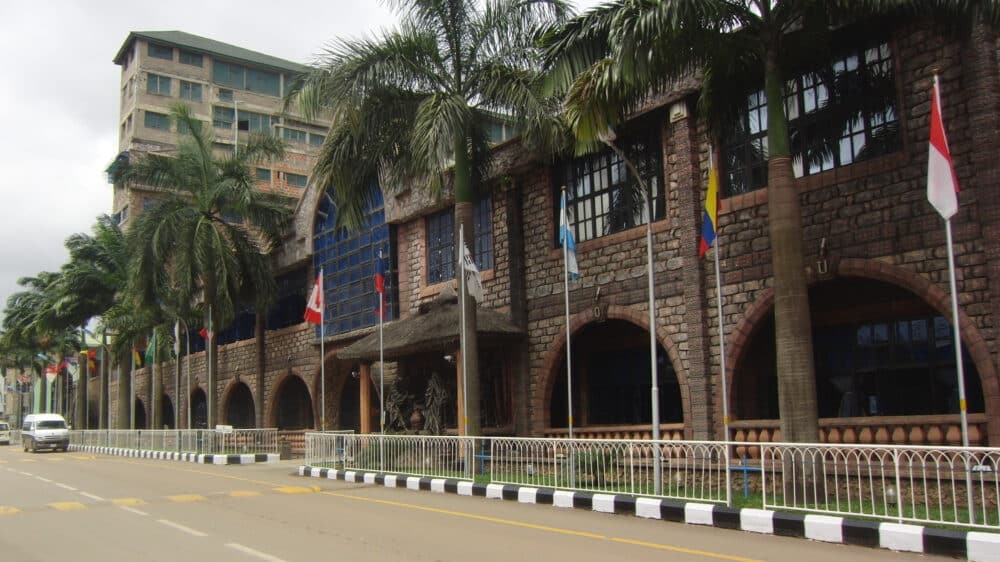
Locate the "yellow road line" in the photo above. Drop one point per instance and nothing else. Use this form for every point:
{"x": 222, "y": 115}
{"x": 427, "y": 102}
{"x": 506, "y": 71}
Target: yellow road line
{"x": 683, "y": 550}
{"x": 128, "y": 501}
{"x": 8, "y": 510}
{"x": 297, "y": 489}
{"x": 243, "y": 494}
{"x": 67, "y": 506}
{"x": 55, "y": 459}
{"x": 544, "y": 528}
{"x": 186, "y": 498}
{"x": 27, "y": 460}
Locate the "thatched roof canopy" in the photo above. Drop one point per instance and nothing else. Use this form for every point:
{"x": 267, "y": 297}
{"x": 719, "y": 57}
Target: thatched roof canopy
{"x": 435, "y": 327}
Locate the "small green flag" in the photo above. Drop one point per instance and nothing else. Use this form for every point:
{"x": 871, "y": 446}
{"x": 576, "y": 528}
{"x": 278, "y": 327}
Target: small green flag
{"x": 151, "y": 350}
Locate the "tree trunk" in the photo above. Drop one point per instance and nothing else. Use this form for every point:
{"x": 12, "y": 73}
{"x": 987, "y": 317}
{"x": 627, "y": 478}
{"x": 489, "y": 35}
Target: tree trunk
{"x": 261, "y": 341}
{"x": 124, "y": 392}
{"x": 793, "y": 325}
{"x": 465, "y": 197}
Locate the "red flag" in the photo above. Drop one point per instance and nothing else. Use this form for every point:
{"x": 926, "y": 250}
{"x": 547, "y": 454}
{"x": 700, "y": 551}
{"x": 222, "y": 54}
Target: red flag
{"x": 380, "y": 286}
{"x": 942, "y": 184}
{"x": 314, "y": 308}
{"x": 203, "y": 333}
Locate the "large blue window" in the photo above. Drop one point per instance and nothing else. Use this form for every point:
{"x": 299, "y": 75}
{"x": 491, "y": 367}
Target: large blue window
{"x": 348, "y": 260}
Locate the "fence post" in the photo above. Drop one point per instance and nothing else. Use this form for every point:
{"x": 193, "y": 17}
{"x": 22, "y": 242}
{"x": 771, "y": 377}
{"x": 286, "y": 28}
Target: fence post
{"x": 763, "y": 475}
{"x": 899, "y": 488}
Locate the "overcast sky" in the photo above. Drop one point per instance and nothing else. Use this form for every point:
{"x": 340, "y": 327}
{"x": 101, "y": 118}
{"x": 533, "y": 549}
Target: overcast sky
{"x": 59, "y": 99}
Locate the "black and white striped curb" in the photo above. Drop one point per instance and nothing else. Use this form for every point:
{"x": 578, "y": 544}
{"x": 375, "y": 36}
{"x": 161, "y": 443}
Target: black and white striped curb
{"x": 173, "y": 456}
{"x": 970, "y": 545}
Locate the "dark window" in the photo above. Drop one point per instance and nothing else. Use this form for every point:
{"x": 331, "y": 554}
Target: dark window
{"x": 226, "y": 95}
{"x": 242, "y": 327}
{"x": 222, "y": 117}
{"x": 296, "y": 180}
{"x": 263, "y": 174}
{"x": 315, "y": 139}
{"x": 187, "y": 57}
{"x": 441, "y": 241}
{"x": 842, "y": 114}
{"x": 243, "y": 78}
{"x": 602, "y": 195}
{"x": 157, "y": 121}
{"x": 348, "y": 262}
{"x": 290, "y": 301}
{"x": 160, "y": 52}
{"x": 294, "y": 135}
{"x": 190, "y": 91}
{"x": 255, "y": 122}
{"x": 158, "y": 85}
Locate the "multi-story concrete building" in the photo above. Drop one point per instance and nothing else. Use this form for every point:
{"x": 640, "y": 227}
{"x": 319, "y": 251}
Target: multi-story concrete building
{"x": 237, "y": 90}
{"x": 885, "y": 362}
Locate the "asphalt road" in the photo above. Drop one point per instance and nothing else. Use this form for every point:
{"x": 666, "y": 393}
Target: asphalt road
{"x": 82, "y": 507}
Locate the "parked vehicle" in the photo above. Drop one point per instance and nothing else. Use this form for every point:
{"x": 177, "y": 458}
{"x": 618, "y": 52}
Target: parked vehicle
{"x": 44, "y": 431}
{"x": 4, "y": 433}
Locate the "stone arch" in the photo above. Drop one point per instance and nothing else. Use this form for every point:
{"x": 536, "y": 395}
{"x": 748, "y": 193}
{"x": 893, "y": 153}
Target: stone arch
{"x": 168, "y": 416}
{"x": 198, "y": 403}
{"x": 239, "y": 408}
{"x": 557, "y": 348}
{"x": 935, "y": 296}
{"x": 140, "y": 413}
{"x": 289, "y": 379}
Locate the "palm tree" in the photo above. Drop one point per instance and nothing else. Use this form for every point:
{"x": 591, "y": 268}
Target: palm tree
{"x": 412, "y": 109}
{"x": 210, "y": 236}
{"x": 610, "y": 59}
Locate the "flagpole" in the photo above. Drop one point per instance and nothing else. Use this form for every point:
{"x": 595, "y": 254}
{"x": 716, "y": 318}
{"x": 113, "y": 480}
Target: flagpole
{"x": 381, "y": 352}
{"x": 460, "y": 267}
{"x": 131, "y": 390}
{"x": 719, "y": 318}
{"x": 322, "y": 362}
{"x": 208, "y": 369}
{"x": 569, "y": 355}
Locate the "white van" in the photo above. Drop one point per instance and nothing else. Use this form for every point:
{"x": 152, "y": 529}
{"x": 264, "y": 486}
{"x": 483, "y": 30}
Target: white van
{"x": 4, "y": 433}
{"x": 44, "y": 431}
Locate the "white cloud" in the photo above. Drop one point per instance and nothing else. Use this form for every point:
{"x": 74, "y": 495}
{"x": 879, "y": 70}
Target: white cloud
{"x": 59, "y": 95}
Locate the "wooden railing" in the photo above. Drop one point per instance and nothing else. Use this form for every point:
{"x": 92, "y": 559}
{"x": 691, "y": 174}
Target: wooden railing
{"x": 895, "y": 430}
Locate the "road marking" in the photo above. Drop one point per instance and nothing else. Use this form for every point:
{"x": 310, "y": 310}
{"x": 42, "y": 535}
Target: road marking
{"x": 83, "y": 458}
{"x": 67, "y": 506}
{"x": 252, "y": 552}
{"x": 27, "y": 460}
{"x": 297, "y": 489}
{"x": 182, "y": 528}
{"x": 4, "y": 510}
{"x": 127, "y": 501}
{"x": 133, "y": 510}
{"x": 65, "y": 487}
{"x": 244, "y": 494}
{"x": 26, "y": 473}
{"x": 55, "y": 459}
{"x": 186, "y": 498}
{"x": 545, "y": 528}
{"x": 92, "y": 496}
{"x": 44, "y": 479}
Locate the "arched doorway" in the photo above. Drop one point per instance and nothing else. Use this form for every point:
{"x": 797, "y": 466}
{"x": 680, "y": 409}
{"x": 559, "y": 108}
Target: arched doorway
{"x": 294, "y": 405}
{"x": 93, "y": 414}
{"x": 239, "y": 408}
{"x": 199, "y": 409}
{"x": 611, "y": 379}
{"x": 349, "y": 410}
{"x": 140, "y": 414}
{"x": 167, "y": 407}
{"x": 879, "y": 350}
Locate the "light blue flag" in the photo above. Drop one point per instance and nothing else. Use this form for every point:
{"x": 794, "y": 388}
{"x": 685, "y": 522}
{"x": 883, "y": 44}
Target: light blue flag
{"x": 566, "y": 239}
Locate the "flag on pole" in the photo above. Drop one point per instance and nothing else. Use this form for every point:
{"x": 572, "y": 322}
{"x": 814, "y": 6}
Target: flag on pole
{"x": 380, "y": 285}
{"x": 136, "y": 358}
{"x": 314, "y": 308}
{"x": 151, "y": 350}
{"x": 206, "y": 333}
{"x": 942, "y": 184}
{"x": 473, "y": 281}
{"x": 710, "y": 220}
{"x": 567, "y": 240}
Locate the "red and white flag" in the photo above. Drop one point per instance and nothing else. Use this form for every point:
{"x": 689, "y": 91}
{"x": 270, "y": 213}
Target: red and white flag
{"x": 314, "y": 308}
{"x": 942, "y": 184}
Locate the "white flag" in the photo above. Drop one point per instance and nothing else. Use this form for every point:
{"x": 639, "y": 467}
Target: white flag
{"x": 473, "y": 282}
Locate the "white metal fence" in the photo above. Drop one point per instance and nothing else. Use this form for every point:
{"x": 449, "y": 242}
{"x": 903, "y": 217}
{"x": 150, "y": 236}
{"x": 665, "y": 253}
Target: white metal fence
{"x": 902, "y": 483}
{"x": 201, "y": 441}
{"x": 913, "y": 484}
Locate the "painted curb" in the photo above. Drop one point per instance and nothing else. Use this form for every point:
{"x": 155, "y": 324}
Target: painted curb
{"x": 181, "y": 457}
{"x": 970, "y": 545}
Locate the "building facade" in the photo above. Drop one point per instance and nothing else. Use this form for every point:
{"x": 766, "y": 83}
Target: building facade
{"x": 874, "y": 249}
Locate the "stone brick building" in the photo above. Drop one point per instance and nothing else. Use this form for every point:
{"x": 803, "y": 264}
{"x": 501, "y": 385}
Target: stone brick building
{"x": 875, "y": 249}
